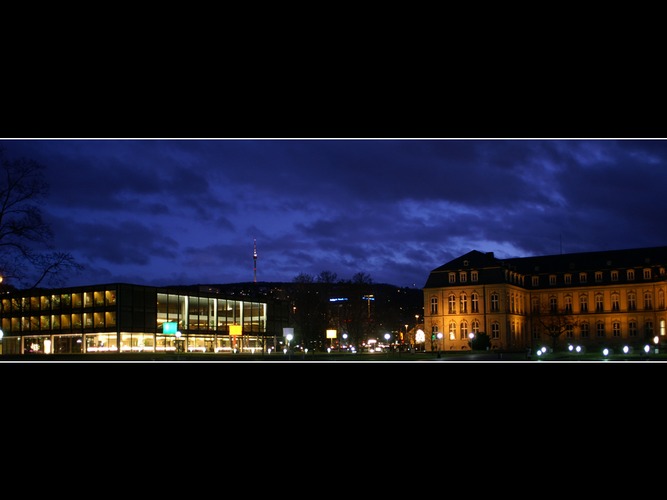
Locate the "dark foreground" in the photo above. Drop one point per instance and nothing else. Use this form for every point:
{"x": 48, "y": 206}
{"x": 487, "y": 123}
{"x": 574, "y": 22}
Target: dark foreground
{"x": 402, "y": 357}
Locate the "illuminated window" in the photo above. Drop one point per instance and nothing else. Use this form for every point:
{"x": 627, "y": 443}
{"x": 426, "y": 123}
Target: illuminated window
{"x": 631, "y": 274}
{"x": 647, "y": 274}
{"x": 495, "y": 302}
{"x": 452, "y": 304}
{"x": 583, "y": 303}
{"x": 474, "y": 276}
{"x": 474, "y": 301}
{"x": 464, "y": 330}
{"x": 434, "y": 305}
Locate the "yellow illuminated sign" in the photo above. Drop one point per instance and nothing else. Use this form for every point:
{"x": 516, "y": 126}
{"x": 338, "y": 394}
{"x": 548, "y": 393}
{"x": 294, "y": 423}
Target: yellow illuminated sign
{"x": 331, "y": 334}
{"x": 235, "y": 330}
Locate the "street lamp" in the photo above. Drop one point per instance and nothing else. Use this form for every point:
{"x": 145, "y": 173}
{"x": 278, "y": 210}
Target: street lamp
{"x": 439, "y": 343}
{"x": 178, "y": 341}
{"x": 471, "y": 336}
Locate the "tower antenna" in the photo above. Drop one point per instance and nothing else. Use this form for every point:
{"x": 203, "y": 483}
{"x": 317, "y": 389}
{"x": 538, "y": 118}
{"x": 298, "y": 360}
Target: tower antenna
{"x": 254, "y": 258}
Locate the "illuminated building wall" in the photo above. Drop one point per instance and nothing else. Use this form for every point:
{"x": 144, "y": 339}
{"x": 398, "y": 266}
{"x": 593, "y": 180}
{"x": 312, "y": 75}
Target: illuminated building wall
{"x": 128, "y": 318}
{"x": 607, "y": 298}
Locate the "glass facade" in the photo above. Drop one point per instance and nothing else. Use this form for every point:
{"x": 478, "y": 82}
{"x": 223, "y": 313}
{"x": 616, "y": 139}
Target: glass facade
{"x": 128, "y": 318}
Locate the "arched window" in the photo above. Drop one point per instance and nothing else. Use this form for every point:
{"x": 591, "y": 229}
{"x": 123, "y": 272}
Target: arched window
{"x": 495, "y": 302}
{"x": 452, "y": 330}
{"x": 452, "y": 304}
{"x": 615, "y": 302}
{"x": 632, "y": 301}
{"x": 464, "y": 330}
{"x": 648, "y": 300}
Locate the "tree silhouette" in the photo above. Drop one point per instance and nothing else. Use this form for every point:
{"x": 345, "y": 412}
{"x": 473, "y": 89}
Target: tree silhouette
{"x": 27, "y": 256}
{"x": 551, "y": 320}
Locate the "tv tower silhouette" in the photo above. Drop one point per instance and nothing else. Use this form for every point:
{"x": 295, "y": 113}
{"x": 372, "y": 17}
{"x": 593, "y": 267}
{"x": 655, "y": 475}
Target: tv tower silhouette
{"x": 254, "y": 258}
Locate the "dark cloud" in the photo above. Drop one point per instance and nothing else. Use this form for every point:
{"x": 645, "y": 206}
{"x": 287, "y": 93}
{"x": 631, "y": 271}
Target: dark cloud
{"x": 187, "y": 211}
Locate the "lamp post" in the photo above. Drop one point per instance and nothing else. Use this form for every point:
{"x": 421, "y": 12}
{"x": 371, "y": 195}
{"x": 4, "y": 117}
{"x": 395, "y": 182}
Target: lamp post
{"x": 439, "y": 335}
{"x": 416, "y": 325}
{"x": 178, "y": 341}
{"x": 471, "y": 336}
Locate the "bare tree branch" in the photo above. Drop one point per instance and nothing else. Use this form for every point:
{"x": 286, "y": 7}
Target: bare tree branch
{"x": 26, "y": 256}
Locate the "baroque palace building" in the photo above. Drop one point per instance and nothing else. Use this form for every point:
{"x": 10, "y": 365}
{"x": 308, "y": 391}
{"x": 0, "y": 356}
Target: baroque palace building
{"x": 599, "y": 299}
{"x": 121, "y": 317}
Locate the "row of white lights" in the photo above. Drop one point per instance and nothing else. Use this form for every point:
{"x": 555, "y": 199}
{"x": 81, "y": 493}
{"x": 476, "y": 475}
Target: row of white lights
{"x": 606, "y": 351}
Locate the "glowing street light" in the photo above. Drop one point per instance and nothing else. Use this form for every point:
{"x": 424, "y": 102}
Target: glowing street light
{"x": 178, "y": 340}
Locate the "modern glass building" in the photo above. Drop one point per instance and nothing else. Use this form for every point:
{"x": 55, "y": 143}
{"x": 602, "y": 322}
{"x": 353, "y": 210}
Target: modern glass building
{"x": 128, "y": 318}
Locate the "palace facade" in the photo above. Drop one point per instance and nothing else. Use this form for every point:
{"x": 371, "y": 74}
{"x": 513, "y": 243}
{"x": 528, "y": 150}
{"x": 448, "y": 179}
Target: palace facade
{"x": 600, "y": 299}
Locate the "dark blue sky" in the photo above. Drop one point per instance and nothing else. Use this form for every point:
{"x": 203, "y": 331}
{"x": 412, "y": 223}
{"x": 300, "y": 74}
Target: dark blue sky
{"x": 170, "y": 211}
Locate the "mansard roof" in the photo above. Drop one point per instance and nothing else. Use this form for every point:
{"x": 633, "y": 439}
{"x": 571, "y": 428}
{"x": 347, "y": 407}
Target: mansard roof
{"x": 634, "y": 258}
{"x": 492, "y": 269}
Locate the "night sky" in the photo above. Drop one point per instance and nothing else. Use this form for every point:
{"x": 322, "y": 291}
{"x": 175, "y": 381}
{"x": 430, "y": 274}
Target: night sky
{"x": 187, "y": 211}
